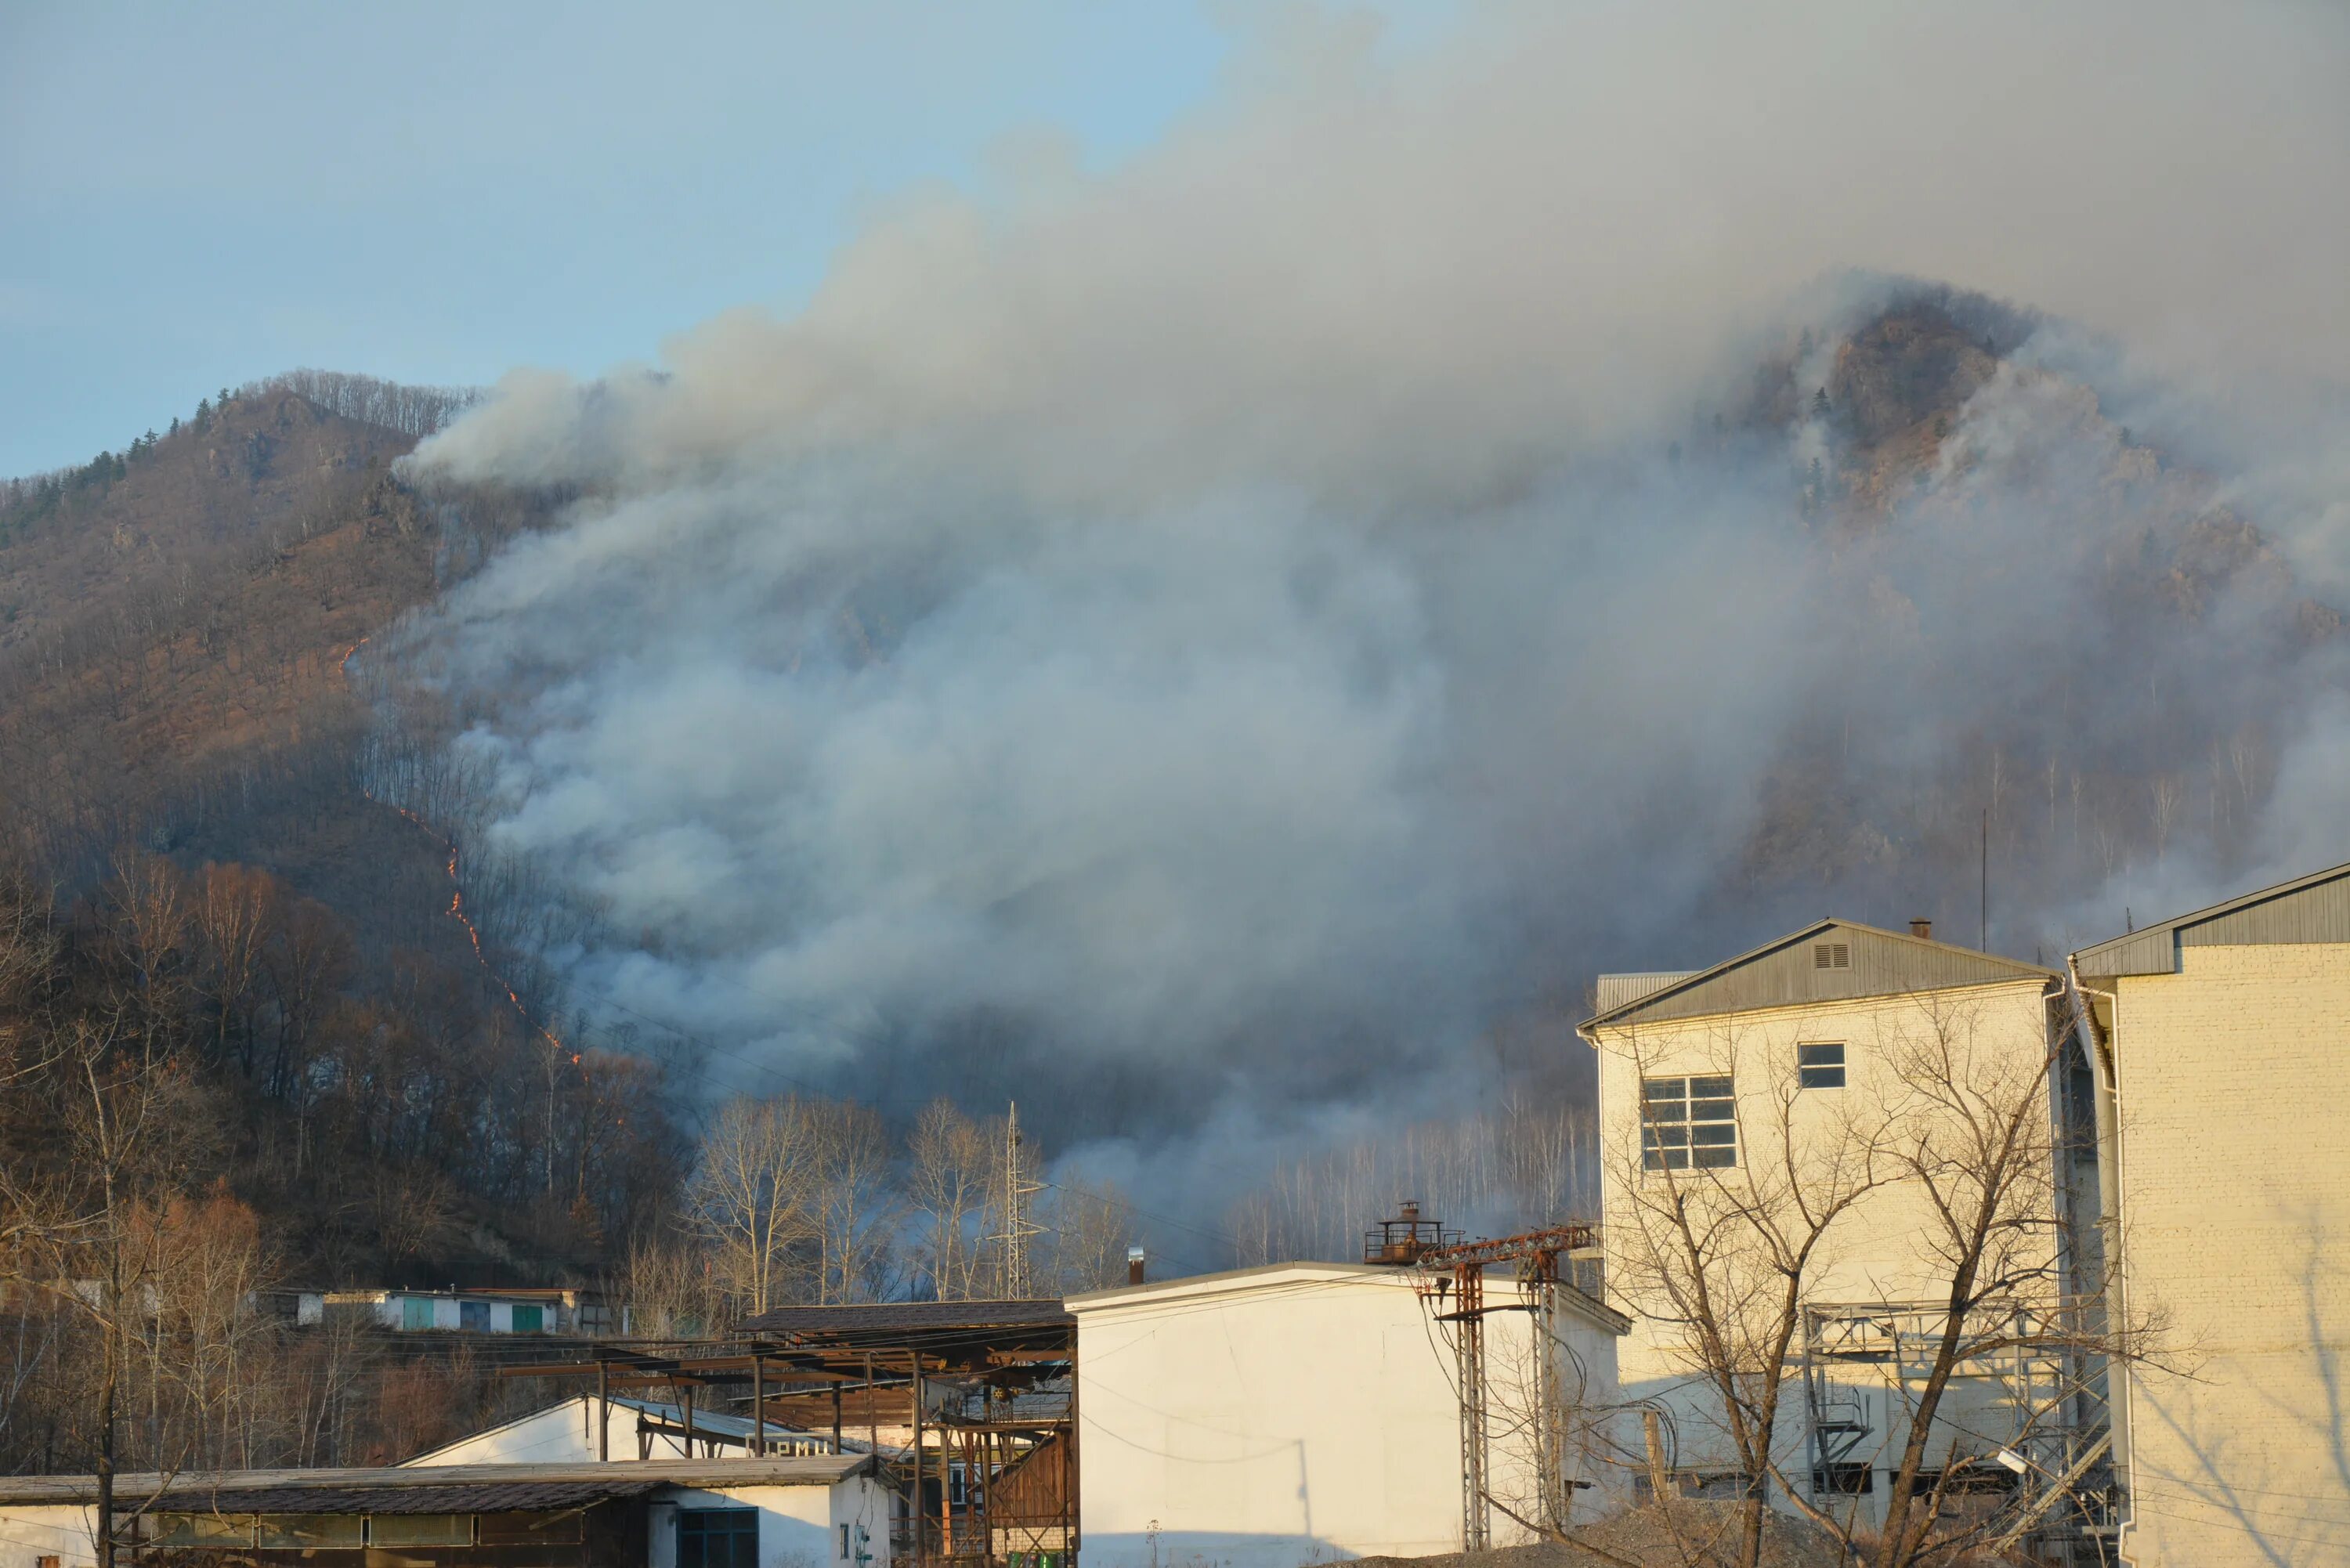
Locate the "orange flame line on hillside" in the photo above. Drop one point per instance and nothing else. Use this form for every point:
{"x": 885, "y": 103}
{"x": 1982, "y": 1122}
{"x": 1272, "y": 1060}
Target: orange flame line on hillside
{"x": 457, "y": 894}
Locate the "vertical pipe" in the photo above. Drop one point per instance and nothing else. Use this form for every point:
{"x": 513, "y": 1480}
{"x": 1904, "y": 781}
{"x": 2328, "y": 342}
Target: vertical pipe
{"x": 685, "y": 1392}
{"x": 1071, "y": 1467}
{"x": 921, "y": 1515}
{"x": 758, "y": 1406}
{"x": 835, "y": 1416}
{"x": 946, "y": 1494}
{"x": 603, "y": 1409}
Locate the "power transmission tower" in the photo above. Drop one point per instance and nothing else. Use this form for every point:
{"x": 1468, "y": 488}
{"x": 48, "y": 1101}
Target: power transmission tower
{"x": 1457, "y": 1271}
{"x": 1018, "y": 1188}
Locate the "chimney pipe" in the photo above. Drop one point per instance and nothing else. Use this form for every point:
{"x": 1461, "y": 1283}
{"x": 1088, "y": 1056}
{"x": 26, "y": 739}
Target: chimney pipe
{"x": 1134, "y": 1260}
{"x": 1922, "y": 930}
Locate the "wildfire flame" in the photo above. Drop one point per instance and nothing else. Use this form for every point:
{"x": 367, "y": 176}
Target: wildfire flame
{"x": 457, "y": 899}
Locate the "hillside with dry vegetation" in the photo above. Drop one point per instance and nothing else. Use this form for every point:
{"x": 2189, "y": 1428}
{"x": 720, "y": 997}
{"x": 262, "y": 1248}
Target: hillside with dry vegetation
{"x": 185, "y": 758}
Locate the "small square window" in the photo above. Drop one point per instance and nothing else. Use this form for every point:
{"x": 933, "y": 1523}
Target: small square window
{"x": 718, "y": 1538}
{"x": 1819, "y": 1066}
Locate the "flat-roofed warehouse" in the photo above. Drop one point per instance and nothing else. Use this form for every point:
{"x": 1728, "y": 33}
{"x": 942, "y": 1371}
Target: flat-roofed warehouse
{"x": 1301, "y": 1412}
{"x": 681, "y": 1513}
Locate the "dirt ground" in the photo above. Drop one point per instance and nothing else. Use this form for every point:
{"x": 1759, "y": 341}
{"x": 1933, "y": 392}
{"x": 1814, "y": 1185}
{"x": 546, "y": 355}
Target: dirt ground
{"x": 1687, "y": 1535}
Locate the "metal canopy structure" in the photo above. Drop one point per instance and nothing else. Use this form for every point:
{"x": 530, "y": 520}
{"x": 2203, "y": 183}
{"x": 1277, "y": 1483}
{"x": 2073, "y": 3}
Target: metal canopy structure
{"x": 969, "y": 1408}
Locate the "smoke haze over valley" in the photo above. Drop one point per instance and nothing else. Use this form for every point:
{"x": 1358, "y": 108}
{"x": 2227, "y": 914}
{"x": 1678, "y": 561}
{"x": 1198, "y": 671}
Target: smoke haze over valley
{"x": 1224, "y": 647}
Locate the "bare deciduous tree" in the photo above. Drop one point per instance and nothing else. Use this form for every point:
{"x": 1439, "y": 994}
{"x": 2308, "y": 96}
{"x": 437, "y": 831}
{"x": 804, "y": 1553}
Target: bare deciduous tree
{"x": 748, "y": 1199}
{"x": 850, "y": 1198}
{"x": 951, "y": 1159}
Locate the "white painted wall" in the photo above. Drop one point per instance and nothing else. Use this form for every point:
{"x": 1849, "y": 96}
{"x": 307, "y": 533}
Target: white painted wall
{"x": 799, "y": 1526}
{"x": 1283, "y": 1416}
{"x": 561, "y": 1434}
{"x": 64, "y": 1531}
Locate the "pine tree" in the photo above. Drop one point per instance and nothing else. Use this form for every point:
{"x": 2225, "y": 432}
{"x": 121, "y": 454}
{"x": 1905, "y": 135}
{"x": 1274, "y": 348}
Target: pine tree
{"x": 1820, "y": 404}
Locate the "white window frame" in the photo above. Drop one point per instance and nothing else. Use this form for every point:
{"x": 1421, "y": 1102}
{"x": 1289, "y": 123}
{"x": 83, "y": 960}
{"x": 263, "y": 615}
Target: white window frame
{"x": 1806, "y": 1069}
{"x": 1688, "y": 1123}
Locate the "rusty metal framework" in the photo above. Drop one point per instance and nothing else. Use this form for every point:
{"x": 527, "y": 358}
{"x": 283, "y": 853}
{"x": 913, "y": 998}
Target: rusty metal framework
{"x": 1453, "y": 1281}
{"x": 968, "y": 1406}
{"x": 2033, "y": 1429}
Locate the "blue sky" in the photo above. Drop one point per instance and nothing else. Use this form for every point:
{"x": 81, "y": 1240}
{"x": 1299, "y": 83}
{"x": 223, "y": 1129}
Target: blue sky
{"x": 194, "y": 196}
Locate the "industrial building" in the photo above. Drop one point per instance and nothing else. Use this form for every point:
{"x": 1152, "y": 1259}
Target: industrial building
{"x": 2223, "y": 1049}
{"x": 1277, "y": 1416}
{"x": 1778, "y": 1079}
{"x": 587, "y": 1430}
{"x": 803, "y": 1512}
{"x": 964, "y": 1409}
{"x": 524, "y": 1310}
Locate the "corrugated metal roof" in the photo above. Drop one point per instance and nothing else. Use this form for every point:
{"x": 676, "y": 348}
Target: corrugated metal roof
{"x": 512, "y": 1497}
{"x": 1829, "y": 961}
{"x": 890, "y": 1320}
{"x": 1615, "y": 990}
{"x": 2311, "y": 909}
{"x": 716, "y": 1423}
{"x": 804, "y": 1470}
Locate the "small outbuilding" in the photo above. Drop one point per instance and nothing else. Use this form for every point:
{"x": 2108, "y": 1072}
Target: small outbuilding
{"x": 584, "y": 1429}
{"x": 827, "y": 1511}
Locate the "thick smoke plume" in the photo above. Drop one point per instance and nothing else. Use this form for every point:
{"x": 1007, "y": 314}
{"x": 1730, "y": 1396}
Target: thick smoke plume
{"x": 1202, "y": 644}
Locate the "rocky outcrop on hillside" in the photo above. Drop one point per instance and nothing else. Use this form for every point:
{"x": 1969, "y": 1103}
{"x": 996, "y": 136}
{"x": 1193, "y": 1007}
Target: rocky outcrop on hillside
{"x": 2169, "y": 633}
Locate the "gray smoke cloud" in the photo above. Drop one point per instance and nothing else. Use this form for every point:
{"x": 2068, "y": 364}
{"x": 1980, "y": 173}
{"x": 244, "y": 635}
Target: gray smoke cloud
{"x": 1200, "y": 642}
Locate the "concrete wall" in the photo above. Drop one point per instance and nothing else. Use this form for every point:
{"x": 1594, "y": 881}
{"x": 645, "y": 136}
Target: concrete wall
{"x": 2234, "y": 1092}
{"x": 1879, "y": 1251}
{"x": 1288, "y": 1415}
{"x": 29, "y": 1533}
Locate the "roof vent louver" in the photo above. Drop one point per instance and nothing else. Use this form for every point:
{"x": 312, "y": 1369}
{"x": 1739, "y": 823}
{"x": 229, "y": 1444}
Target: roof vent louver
{"x": 1831, "y": 955}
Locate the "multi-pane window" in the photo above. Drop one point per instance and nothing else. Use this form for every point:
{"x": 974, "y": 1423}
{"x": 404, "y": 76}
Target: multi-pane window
{"x": 1819, "y": 1066}
{"x": 420, "y": 1529}
{"x": 1687, "y": 1122}
{"x": 718, "y": 1538}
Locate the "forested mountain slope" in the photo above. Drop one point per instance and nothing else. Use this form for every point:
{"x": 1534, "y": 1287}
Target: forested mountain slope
{"x": 183, "y": 757}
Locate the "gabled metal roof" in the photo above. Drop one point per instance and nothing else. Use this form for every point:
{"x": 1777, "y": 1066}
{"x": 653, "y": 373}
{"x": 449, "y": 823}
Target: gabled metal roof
{"x": 2311, "y": 909}
{"x": 1615, "y": 990}
{"x": 1828, "y": 961}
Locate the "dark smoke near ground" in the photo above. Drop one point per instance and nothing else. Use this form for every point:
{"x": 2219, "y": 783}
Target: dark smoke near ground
{"x": 1224, "y": 648}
